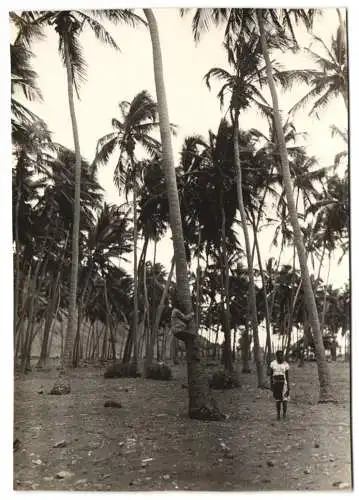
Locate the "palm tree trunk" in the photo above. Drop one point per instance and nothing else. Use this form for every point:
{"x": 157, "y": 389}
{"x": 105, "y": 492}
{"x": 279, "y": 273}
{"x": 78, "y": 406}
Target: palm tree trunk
{"x": 201, "y": 403}
{"x": 135, "y": 277}
{"x": 227, "y": 348}
{"x": 71, "y": 324}
{"x": 245, "y": 351}
{"x": 291, "y": 318}
{"x": 252, "y": 290}
{"x": 198, "y": 281}
{"x": 325, "y": 293}
{"x": 52, "y": 310}
{"x": 146, "y": 312}
{"x": 109, "y": 322}
{"x": 266, "y": 305}
{"x": 326, "y": 389}
{"x": 161, "y": 306}
{"x": 17, "y": 256}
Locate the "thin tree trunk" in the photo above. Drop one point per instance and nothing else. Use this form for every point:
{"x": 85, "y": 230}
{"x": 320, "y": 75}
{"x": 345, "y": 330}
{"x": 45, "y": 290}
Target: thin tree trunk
{"x": 215, "y": 347}
{"x": 252, "y": 290}
{"x": 245, "y": 350}
{"x": 52, "y": 310}
{"x": 146, "y": 313}
{"x": 291, "y": 318}
{"x": 227, "y": 348}
{"x": 198, "y": 281}
{"x": 326, "y": 389}
{"x": 161, "y": 306}
{"x": 71, "y": 325}
{"x": 325, "y": 295}
{"x": 135, "y": 277}
{"x": 201, "y": 402}
{"x": 266, "y": 306}
{"x": 17, "y": 255}
{"x": 109, "y": 322}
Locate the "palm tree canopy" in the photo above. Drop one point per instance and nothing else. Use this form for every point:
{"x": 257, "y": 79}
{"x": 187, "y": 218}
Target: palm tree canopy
{"x": 138, "y": 119}
{"x": 69, "y": 24}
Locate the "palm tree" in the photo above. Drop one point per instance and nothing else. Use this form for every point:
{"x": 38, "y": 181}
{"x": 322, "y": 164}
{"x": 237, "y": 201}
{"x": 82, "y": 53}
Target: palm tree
{"x": 201, "y": 403}
{"x": 107, "y": 238}
{"x": 326, "y": 391}
{"x": 68, "y": 25}
{"x": 208, "y": 207}
{"x": 331, "y": 80}
{"x": 266, "y": 20}
{"x": 245, "y": 57}
{"x": 138, "y": 120}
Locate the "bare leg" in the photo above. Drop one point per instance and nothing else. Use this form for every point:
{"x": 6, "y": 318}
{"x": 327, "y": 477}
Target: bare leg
{"x": 285, "y": 405}
{"x": 278, "y": 409}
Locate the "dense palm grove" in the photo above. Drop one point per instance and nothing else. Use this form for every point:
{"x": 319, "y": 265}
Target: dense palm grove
{"x": 71, "y": 248}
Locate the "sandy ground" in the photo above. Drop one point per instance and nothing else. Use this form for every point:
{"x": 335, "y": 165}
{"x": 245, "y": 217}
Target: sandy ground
{"x": 151, "y": 444}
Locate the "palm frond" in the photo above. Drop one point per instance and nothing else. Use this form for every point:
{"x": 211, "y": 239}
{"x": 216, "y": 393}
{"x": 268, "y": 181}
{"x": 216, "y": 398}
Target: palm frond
{"x": 335, "y": 131}
{"x": 119, "y": 16}
{"x": 219, "y": 74}
{"x": 77, "y": 60}
{"x": 99, "y": 31}
{"x": 29, "y": 30}
{"x": 323, "y": 101}
{"x": 105, "y": 148}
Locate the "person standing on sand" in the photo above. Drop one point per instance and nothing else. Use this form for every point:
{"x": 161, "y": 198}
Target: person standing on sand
{"x": 279, "y": 382}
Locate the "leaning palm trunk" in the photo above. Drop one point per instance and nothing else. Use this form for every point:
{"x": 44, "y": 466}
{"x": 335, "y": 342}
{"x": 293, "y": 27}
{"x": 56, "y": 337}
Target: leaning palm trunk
{"x": 252, "y": 291}
{"x": 161, "y": 306}
{"x": 201, "y": 403}
{"x": 326, "y": 390}
{"x": 71, "y": 325}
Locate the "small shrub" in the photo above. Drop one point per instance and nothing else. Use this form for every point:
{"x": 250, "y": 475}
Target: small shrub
{"x": 223, "y": 380}
{"x": 159, "y": 371}
{"x": 121, "y": 370}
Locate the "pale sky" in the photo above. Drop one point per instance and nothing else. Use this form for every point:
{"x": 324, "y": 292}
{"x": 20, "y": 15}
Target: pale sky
{"x": 122, "y": 79}
{"x": 113, "y": 77}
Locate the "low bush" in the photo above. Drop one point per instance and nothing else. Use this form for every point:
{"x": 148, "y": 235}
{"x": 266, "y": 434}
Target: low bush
{"x": 159, "y": 371}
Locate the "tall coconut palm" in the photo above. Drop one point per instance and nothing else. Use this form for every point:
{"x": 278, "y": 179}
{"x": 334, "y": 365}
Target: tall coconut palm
{"x": 246, "y": 59}
{"x": 68, "y": 25}
{"x": 201, "y": 402}
{"x": 280, "y": 21}
{"x": 326, "y": 390}
{"x": 138, "y": 120}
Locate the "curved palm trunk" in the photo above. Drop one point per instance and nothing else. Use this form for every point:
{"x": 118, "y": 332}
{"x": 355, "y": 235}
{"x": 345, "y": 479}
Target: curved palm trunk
{"x": 252, "y": 291}
{"x": 326, "y": 389}
{"x": 71, "y": 325}
{"x": 201, "y": 403}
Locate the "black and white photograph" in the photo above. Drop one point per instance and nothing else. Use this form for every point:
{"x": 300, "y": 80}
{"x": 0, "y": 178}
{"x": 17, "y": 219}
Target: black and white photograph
{"x": 180, "y": 249}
